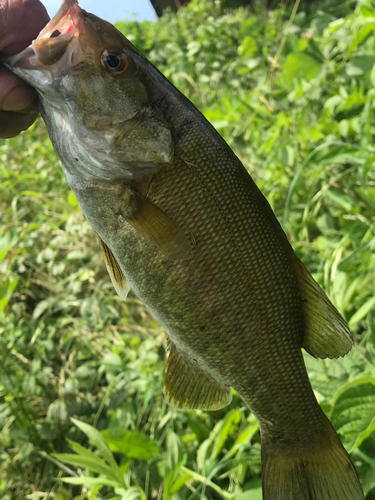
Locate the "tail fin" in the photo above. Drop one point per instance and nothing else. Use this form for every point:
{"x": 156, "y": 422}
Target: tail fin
{"x": 310, "y": 473}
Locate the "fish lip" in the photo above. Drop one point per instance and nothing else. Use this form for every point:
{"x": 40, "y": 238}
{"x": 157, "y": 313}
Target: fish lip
{"x": 68, "y": 22}
{"x": 67, "y": 7}
{"x": 21, "y": 60}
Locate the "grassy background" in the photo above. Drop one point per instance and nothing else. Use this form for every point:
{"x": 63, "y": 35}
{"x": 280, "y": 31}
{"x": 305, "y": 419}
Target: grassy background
{"x": 295, "y": 100}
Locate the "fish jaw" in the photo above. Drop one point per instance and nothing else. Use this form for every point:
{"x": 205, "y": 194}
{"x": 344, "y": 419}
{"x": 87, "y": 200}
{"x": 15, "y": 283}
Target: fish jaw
{"x": 52, "y": 51}
{"x": 61, "y": 13}
{"x": 111, "y": 128}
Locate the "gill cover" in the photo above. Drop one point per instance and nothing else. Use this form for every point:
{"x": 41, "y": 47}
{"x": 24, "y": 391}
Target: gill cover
{"x": 94, "y": 97}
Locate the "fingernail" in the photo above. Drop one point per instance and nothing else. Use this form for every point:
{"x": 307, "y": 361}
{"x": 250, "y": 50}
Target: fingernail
{"x": 19, "y": 99}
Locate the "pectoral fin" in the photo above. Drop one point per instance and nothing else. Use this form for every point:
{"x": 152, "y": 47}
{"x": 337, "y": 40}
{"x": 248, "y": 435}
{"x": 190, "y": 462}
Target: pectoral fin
{"x": 115, "y": 272}
{"x": 155, "y": 225}
{"x": 327, "y": 333}
{"x": 187, "y": 386}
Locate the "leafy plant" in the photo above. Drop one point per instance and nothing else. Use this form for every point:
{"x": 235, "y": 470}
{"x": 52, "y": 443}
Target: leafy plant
{"x": 294, "y": 97}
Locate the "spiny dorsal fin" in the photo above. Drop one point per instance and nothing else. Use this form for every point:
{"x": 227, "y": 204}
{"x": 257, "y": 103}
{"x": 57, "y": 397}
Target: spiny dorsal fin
{"x": 153, "y": 223}
{"x": 327, "y": 333}
{"x": 115, "y": 272}
{"x": 188, "y": 387}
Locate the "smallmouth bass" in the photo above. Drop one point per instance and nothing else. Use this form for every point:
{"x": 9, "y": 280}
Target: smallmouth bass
{"x": 182, "y": 223}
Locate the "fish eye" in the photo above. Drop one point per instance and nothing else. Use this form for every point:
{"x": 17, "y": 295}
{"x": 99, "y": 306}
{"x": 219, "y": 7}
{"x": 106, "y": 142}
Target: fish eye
{"x": 116, "y": 63}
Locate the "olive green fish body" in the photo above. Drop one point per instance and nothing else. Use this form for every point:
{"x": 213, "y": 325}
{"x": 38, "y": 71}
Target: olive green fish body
{"x": 234, "y": 306}
{"x": 181, "y": 222}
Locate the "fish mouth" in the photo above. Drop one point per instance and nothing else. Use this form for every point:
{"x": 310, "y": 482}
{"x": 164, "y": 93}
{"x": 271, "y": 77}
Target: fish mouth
{"x": 52, "y": 42}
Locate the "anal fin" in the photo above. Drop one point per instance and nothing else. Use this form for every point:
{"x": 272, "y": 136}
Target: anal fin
{"x": 115, "y": 272}
{"x": 327, "y": 333}
{"x": 188, "y": 387}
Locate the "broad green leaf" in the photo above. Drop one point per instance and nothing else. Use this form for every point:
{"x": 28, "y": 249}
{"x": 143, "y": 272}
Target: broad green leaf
{"x": 362, "y": 312}
{"x": 353, "y": 411}
{"x": 133, "y": 444}
{"x": 202, "y": 479}
{"x": 248, "y": 46}
{"x": 337, "y": 198}
{"x": 244, "y": 438}
{"x": 253, "y": 493}
{"x": 84, "y": 452}
{"x": 360, "y": 64}
{"x": 262, "y": 110}
{"x": 232, "y": 417}
{"x": 298, "y": 66}
{"x": 368, "y": 481}
{"x": 181, "y": 480}
{"x": 93, "y": 464}
{"x": 72, "y": 200}
{"x": 173, "y": 451}
{"x": 170, "y": 478}
{"x": 33, "y": 194}
{"x": 202, "y": 454}
{"x": 42, "y": 307}
{"x": 90, "y": 481}
{"x": 98, "y": 440}
{"x": 7, "y": 241}
{"x": 3, "y": 253}
{"x": 133, "y": 493}
{"x": 6, "y": 292}
{"x": 360, "y": 35}
{"x": 61, "y": 495}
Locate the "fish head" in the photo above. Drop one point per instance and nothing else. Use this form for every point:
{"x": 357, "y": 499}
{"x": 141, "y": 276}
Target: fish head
{"x": 93, "y": 90}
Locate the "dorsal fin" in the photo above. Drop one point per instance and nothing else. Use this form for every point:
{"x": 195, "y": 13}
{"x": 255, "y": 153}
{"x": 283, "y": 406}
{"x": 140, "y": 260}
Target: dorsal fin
{"x": 327, "y": 333}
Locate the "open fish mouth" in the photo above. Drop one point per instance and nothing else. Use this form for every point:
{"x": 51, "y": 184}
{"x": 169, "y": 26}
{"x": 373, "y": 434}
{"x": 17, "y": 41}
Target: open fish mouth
{"x": 52, "y": 42}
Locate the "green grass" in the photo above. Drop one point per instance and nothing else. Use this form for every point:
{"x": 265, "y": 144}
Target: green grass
{"x": 295, "y": 100}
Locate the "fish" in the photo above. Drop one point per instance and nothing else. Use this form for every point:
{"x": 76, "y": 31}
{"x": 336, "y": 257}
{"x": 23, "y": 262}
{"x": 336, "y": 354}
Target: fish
{"x": 182, "y": 223}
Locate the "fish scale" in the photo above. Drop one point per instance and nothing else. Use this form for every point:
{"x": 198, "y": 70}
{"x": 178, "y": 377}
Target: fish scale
{"x": 257, "y": 307}
{"x": 182, "y": 223}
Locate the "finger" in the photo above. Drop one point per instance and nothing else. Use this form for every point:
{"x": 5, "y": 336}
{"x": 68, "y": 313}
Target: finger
{"x": 12, "y": 124}
{"x": 15, "y": 95}
{"x": 20, "y": 23}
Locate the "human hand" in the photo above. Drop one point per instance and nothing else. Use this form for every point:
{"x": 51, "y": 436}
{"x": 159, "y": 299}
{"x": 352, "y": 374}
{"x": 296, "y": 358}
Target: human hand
{"x": 20, "y": 23}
